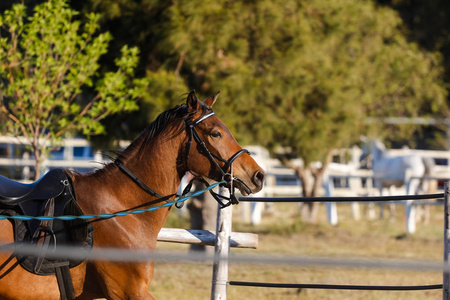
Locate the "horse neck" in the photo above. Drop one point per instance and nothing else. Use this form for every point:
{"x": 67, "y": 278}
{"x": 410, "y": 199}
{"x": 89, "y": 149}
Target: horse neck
{"x": 156, "y": 167}
{"x": 377, "y": 152}
{"x": 110, "y": 190}
{"x": 157, "y": 164}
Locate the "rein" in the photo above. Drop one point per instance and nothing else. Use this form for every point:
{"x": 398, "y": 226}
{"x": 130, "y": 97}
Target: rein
{"x": 226, "y": 171}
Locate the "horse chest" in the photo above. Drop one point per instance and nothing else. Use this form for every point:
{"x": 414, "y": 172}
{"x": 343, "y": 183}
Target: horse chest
{"x": 136, "y": 232}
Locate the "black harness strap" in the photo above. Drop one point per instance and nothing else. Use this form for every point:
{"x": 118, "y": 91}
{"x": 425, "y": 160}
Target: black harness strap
{"x": 218, "y": 197}
{"x": 136, "y": 179}
{"x": 64, "y": 280}
{"x": 226, "y": 170}
{"x": 44, "y": 235}
{"x": 212, "y": 157}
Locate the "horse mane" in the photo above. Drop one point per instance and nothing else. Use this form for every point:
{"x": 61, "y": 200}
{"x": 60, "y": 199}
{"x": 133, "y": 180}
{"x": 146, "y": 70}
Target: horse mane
{"x": 170, "y": 123}
{"x": 173, "y": 116}
{"x": 172, "y": 120}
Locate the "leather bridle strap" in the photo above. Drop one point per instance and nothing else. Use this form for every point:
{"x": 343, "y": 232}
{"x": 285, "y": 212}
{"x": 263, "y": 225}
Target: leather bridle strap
{"x": 136, "y": 179}
{"x": 211, "y": 156}
{"x": 226, "y": 170}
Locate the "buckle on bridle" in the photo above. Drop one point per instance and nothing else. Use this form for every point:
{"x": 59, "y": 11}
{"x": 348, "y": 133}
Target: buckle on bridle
{"x": 227, "y": 177}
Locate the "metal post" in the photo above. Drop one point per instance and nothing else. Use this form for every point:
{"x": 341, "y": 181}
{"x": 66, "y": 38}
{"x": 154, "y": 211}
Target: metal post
{"x": 221, "y": 253}
{"x": 446, "y": 279}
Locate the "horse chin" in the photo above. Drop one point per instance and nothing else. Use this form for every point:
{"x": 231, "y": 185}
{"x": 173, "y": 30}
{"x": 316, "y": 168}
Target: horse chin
{"x": 243, "y": 188}
{"x": 245, "y": 193}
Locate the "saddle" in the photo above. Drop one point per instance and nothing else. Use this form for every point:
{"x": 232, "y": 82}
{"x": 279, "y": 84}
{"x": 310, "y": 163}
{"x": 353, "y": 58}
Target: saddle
{"x": 50, "y": 196}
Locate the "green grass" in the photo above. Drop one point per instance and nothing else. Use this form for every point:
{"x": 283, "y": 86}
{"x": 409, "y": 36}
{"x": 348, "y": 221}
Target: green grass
{"x": 283, "y": 233}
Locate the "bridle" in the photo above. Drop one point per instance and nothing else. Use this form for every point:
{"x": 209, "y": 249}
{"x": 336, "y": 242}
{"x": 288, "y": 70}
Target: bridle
{"x": 226, "y": 171}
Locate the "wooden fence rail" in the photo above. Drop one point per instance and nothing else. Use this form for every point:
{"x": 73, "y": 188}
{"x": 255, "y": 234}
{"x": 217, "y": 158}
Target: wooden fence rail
{"x": 206, "y": 237}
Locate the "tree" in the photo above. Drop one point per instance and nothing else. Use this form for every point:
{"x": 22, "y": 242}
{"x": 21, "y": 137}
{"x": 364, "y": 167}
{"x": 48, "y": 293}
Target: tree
{"x": 428, "y": 24}
{"x": 166, "y": 91}
{"x": 50, "y": 81}
{"x": 306, "y": 75}
{"x": 303, "y": 75}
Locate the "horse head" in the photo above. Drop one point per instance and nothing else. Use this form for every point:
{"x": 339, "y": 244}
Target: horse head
{"x": 214, "y": 153}
{"x": 372, "y": 150}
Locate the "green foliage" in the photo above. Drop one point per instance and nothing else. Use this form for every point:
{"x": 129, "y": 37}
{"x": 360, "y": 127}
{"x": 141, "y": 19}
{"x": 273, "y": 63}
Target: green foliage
{"x": 430, "y": 25}
{"x": 305, "y": 74}
{"x": 301, "y": 74}
{"x": 166, "y": 89}
{"x": 47, "y": 61}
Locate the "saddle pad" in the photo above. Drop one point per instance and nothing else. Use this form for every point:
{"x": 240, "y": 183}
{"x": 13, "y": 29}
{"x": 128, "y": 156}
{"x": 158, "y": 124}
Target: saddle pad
{"x": 73, "y": 233}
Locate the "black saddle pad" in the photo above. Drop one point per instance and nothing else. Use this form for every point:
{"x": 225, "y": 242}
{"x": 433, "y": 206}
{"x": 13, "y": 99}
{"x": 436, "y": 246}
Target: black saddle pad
{"x": 77, "y": 234}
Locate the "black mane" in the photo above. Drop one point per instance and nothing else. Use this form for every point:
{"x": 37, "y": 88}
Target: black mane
{"x": 156, "y": 128}
{"x": 176, "y": 116}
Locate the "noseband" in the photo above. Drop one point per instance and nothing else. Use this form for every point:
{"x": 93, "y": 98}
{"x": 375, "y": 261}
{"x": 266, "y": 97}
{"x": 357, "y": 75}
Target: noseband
{"x": 226, "y": 170}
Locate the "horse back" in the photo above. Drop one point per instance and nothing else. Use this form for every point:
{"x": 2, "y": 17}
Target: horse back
{"x": 396, "y": 167}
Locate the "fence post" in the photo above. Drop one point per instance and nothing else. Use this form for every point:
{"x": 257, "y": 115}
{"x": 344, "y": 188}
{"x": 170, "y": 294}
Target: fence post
{"x": 221, "y": 253}
{"x": 446, "y": 279}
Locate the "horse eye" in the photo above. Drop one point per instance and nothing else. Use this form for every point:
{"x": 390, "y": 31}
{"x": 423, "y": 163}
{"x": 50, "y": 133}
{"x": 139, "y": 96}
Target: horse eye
{"x": 216, "y": 134}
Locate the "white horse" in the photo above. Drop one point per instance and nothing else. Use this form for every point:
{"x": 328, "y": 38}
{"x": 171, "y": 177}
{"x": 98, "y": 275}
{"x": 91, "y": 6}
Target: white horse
{"x": 406, "y": 170}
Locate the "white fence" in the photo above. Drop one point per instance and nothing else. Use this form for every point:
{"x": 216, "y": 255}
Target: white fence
{"x": 281, "y": 181}
{"x": 17, "y": 162}
{"x": 342, "y": 179}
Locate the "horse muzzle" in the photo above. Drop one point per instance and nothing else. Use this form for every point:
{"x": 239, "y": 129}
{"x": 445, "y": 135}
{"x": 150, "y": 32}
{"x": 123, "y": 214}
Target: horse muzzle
{"x": 257, "y": 182}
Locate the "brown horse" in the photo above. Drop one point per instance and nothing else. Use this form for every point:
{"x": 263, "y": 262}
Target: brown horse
{"x": 160, "y": 156}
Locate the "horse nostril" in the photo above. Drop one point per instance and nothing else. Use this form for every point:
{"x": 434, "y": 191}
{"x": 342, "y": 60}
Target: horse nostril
{"x": 258, "y": 178}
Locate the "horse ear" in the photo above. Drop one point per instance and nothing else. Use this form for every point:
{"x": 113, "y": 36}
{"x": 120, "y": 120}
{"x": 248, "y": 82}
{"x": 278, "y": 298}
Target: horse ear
{"x": 211, "y": 100}
{"x": 192, "y": 101}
